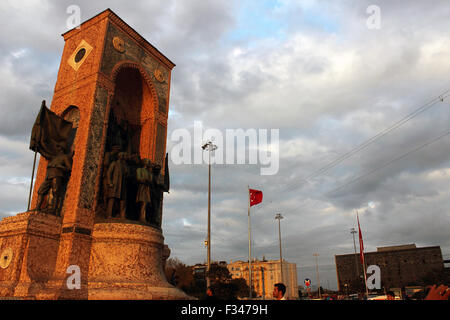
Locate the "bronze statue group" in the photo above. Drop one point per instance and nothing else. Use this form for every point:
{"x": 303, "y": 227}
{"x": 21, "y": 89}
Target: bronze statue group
{"x": 126, "y": 175}
{"x": 131, "y": 188}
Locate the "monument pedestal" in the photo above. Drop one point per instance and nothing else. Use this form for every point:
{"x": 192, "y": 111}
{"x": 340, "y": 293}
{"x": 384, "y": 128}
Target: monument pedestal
{"x": 126, "y": 263}
{"x": 29, "y": 244}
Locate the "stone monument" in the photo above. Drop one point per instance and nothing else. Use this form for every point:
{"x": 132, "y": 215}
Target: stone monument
{"x": 94, "y": 227}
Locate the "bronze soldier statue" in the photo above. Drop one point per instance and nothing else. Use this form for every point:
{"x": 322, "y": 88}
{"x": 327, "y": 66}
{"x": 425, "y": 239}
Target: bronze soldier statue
{"x": 117, "y": 191}
{"x": 159, "y": 185}
{"x": 110, "y": 157}
{"x": 144, "y": 179}
{"x": 58, "y": 169}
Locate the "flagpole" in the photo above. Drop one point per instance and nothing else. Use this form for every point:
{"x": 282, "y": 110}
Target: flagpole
{"x": 249, "y": 247}
{"x": 32, "y": 178}
{"x": 365, "y": 276}
{"x": 363, "y": 258}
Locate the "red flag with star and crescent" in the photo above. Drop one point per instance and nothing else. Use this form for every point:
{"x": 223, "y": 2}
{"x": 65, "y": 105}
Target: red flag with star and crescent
{"x": 361, "y": 244}
{"x": 256, "y": 196}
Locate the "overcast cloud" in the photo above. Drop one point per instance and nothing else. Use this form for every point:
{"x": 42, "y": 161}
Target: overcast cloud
{"x": 313, "y": 70}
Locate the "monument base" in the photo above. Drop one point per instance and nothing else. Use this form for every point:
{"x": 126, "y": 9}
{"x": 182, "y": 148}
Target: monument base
{"x": 127, "y": 263}
{"x": 28, "y": 245}
{"x": 133, "y": 291}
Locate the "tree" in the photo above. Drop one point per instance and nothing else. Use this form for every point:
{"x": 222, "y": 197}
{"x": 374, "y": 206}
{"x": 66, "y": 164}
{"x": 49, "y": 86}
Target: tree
{"x": 224, "y": 286}
{"x": 241, "y": 287}
{"x": 219, "y": 274}
{"x": 178, "y": 274}
{"x": 221, "y": 282}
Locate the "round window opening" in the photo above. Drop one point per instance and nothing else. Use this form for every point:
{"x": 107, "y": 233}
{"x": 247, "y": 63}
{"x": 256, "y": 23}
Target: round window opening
{"x": 80, "y": 54}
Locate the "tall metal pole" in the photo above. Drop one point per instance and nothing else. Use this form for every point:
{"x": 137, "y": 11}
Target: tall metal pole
{"x": 32, "y": 178}
{"x": 249, "y": 247}
{"x": 365, "y": 277}
{"x": 353, "y": 232}
{"x": 263, "y": 284}
{"x": 364, "y": 260}
{"x": 209, "y": 146}
{"x": 317, "y": 274}
{"x": 279, "y": 217}
{"x": 208, "y": 280}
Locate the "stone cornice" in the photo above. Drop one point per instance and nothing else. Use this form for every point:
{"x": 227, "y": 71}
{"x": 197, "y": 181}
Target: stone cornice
{"x": 108, "y": 13}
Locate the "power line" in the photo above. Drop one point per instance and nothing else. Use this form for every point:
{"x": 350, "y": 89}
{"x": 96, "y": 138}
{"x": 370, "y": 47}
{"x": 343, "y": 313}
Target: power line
{"x": 368, "y": 142}
{"x": 381, "y": 134}
{"x": 384, "y": 165}
{"x": 390, "y": 162}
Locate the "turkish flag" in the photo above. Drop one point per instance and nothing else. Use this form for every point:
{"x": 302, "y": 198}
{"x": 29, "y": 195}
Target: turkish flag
{"x": 361, "y": 244}
{"x": 256, "y": 197}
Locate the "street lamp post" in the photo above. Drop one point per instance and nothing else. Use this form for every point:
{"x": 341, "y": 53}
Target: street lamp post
{"x": 209, "y": 146}
{"x": 279, "y": 217}
{"x": 317, "y": 274}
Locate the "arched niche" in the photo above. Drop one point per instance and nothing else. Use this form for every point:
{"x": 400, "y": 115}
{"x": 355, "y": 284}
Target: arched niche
{"x": 132, "y": 112}
{"x": 130, "y": 129}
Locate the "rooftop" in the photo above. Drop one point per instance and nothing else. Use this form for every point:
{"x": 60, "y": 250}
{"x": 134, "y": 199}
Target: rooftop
{"x": 395, "y": 248}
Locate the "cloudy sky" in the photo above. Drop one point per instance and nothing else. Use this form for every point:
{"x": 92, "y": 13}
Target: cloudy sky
{"x": 351, "y": 88}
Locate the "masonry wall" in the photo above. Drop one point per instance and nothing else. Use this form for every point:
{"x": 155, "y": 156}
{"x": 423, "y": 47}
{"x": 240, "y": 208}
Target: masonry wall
{"x": 398, "y": 268}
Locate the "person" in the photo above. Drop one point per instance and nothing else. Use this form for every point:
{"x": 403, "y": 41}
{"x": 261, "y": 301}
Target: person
{"x": 279, "y": 291}
{"x": 390, "y": 295}
{"x": 438, "y": 293}
{"x": 58, "y": 168}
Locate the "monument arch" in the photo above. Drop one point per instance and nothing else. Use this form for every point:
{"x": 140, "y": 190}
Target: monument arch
{"x": 135, "y": 100}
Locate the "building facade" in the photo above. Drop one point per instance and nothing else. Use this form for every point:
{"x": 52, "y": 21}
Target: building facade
{"x": 400, "y": 266}
{"x": 265, "y": 274}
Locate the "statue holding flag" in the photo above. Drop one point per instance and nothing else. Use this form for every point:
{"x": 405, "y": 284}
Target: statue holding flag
{"x": 57, "y": 170}
{"x": 49, "y": 137}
